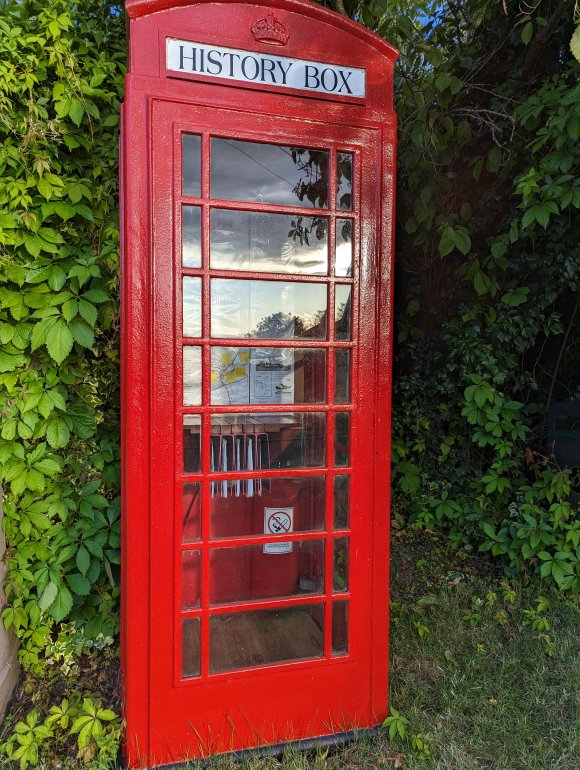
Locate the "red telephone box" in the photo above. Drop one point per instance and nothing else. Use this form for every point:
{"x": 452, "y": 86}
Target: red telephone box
{"x": 258, "y": 162}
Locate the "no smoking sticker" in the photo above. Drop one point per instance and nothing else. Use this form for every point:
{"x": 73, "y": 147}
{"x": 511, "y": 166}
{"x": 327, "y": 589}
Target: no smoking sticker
{"x": 278, "y": 521}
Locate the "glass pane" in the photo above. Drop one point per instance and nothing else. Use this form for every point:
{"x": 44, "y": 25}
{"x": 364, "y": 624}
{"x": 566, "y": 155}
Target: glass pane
{"x": 250, "y": 442}
{"x": 341, "y": 376}
{"x": 344, "y": 181}
{"x": 340, "y": 628}
{"x": 191, "y": 443}
{"x": 268, "y": 376}
{"x": 191, "y": 307}
{"x": 191, "y": 376}
{"x": 268, "y": 173}
{"x": 261, "y": 637}
{"x": 268, "y": 309}
{"x": 191, "y": 236}
{"x": 238, "y": 506}
{"x": 344, "y": 247}
{"x": 191, "y": 162}
{"x": 342, "y": 438}
{"x": 190, "y": 656}
{"x": 271, "y": 243}
{"x": 341, "y": 501}
{"x": 190, "y": 586}
{"x": 340, "y": 565}
{"x": 268, "y": 571}
{"x": 191, "y": 521}
{"x": 342, "y": 312}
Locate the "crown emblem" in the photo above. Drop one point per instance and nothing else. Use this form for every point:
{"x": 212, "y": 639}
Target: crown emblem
{"x": 270, "y": 30}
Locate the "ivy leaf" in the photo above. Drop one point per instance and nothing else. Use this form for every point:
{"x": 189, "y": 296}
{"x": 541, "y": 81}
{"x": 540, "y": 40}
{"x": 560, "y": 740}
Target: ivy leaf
{"x": 57, "y": 278}
{"x": 62, "y": 604}
{"x": 82, "y": 333}
{"x": 96, "y": 295}
{"x": 481, "y": 282}
{"x": 64, "y": 210}
{"x": 575, "y": 43}
{"x": 88, "y": 312}
{"x": 462, "y": 240}
{"x": 57, "y": 433}
{"x": 11, "y": 361}
{"x": 527, "y": 32}
{"x": 48, "y": 596}
{"x": 84, "y": 422}
{"x": 44, "y": 188}
{"x": 83, "y": 560}
{"x": 40, "y": 332}
{"x": 48, "y": 466}
{"x": 59, "y": 341}
{"x": 70, "y": 309}
{"x": 79, "y": 584}
{"x": 35, "y": 480}
{"x": 76, "y": 111}
{"x": 447, "y": 242}
{"x": 516, "y": 297}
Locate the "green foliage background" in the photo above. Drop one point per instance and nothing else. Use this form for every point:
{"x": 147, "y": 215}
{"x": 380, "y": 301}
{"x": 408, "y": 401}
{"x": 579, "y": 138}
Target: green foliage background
{"x": 488, "y": 272}
{"x": 61, "y": 79}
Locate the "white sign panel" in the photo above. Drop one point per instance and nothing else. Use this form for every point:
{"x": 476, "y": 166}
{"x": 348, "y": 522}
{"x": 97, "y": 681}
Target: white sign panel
{"x": 264, "y": 69}
{"x": 278, "y": 521}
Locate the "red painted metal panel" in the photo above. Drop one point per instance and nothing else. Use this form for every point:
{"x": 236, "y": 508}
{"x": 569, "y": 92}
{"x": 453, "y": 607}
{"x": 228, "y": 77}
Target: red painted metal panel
{"x": 170, "y": 717}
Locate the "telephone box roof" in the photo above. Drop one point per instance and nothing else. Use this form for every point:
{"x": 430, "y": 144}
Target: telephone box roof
{"x": 138, "y": 8}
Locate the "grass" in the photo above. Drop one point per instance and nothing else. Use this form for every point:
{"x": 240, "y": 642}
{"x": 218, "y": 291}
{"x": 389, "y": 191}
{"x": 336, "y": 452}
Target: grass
{"x": 486, "y": 672}
{"x": 484, "y": 690}
{"x": 479, "y": 683}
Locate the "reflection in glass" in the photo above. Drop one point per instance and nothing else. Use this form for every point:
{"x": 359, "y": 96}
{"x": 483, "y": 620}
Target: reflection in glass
{"x": 339, "y": 628}
{"x": 341, "y": 376}
{"x": 190, "y": 583}
{"x": 268, "y": 375}
{"x": 245, "y": 573}
{"x": 191, "y": 307}
{"x": 344, "y": 247}
{"x": 191, "y": 376}
{"x": 191, "y": 512}
{"x": 342, "y": 438}
{"x": 272, "y": 243}
{"x": 191, "y": 236}
{"x": 342, "y": 312}
{"x": 191, "y": 443}
{"x": 268, "y": 173}
{"x": 237, "y": 505}
{"x": 261, "y": 637}
{"x": 248, "y": 442}
{"x": 191, "y": 162}
{"x": 344, "y": 181}
{"x": 190, "y": 654}
{"x": 340, "y": 565}
{"x": 341, "y": 501}
{"x": 268, "y": 309}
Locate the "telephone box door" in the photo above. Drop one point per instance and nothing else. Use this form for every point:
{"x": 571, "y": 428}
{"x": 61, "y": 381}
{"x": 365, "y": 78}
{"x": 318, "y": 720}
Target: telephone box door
{"x": 263, "y": 431}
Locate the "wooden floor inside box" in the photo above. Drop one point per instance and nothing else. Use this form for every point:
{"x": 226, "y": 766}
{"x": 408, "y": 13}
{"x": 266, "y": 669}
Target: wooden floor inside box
{"x": 248, "y": 639}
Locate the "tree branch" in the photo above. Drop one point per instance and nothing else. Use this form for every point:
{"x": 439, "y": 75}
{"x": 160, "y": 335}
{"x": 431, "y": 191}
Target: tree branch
{"x": 540, "y": 41}
{"x": 338, "y": 6}
{"x": 561, "y": 353}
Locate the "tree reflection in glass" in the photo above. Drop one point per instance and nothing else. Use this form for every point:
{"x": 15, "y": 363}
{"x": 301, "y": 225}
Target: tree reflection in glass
{"x": 273, "y": 243}
{"x": 268, "y": 173}
{"x": 268, "y": 309}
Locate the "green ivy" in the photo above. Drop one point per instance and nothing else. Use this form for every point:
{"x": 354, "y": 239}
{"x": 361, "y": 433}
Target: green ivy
{"x": 488, "y": 262}
{"x": 61, "y": 79}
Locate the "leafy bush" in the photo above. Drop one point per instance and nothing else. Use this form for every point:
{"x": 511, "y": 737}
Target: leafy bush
{"x": 61, "y": 77}
{"x": 489, "y": 278}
